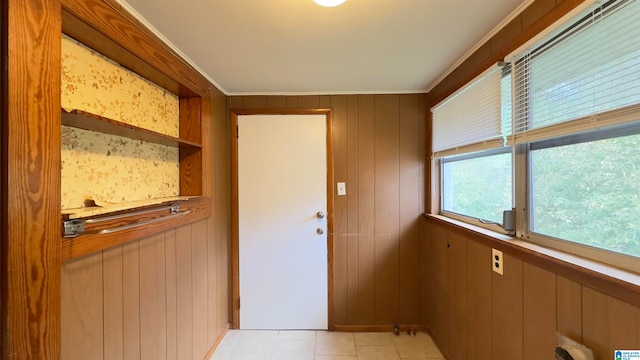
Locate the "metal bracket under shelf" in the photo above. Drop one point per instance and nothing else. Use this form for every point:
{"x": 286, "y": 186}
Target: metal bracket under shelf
{"x": 75, "y": 227}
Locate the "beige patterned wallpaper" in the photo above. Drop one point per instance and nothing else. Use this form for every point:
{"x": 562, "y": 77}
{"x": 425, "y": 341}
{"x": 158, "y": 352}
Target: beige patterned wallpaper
{"x": 111, "y": 169}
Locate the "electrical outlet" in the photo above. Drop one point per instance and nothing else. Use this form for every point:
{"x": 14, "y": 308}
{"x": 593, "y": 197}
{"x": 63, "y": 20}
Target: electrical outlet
{"x": 496, "y": 261}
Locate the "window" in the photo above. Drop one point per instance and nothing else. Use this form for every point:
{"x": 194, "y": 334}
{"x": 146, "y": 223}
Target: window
{"x": 572, "y": 141}
{"x": 469, "y": 136}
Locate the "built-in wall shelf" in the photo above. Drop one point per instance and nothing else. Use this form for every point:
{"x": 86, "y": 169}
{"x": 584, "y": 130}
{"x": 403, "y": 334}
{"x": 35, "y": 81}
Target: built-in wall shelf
{"x": 126, "y": 222}
{"x": 85, "y": 212}
{"x": 88, "y": 121}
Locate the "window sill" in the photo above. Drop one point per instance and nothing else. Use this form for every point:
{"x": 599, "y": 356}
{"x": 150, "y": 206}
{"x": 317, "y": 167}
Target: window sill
{"x": 621, "y": 284}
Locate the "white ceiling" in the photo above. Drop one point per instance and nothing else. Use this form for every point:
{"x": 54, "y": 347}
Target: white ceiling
{"x": 297, "y": 47}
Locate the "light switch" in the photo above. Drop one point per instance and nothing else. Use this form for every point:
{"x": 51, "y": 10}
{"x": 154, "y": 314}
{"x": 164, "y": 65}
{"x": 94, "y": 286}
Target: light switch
{"x": 342, "y": 189}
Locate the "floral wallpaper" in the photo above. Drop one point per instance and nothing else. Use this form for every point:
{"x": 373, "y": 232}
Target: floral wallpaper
{"x": 95, "y": 84}
{"x": 106, "y": 168}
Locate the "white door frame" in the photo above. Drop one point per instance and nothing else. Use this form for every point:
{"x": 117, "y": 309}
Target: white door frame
{"x": 235, "y": 249}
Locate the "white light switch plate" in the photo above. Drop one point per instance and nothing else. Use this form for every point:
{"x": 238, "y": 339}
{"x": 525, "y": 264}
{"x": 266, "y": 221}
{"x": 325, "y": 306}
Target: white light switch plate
{"x": 342, "y": 189}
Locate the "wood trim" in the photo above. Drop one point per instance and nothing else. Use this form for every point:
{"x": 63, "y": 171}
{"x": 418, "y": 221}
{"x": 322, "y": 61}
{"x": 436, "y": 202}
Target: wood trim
{"x": 215, "y": 345}
{"x": 116, "y": 25}
{"x": 380, "y": 328}
{"x": 31, "y": 329}
{"x": 89, "y": 243}
{"x": 4, "y": 153}
{"x": 583, "y": 271}
{"x": 235, "y": 249}
{"x": 235, "y": 227}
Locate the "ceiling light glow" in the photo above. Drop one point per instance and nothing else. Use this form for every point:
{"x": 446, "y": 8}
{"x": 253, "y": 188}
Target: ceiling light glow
{"x": 329, "y": 3}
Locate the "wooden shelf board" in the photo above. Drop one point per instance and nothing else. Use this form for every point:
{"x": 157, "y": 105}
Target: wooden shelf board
{"x": 80, "y": 213}
{"x": 88, "y": 121}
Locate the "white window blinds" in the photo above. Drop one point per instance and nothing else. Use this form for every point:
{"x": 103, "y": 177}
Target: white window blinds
{"x": 470, "y": 119}
{"x": 586, "y": 77}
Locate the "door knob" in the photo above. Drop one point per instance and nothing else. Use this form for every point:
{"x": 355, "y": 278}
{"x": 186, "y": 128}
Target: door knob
{"x": 319, "y": 231}
{"x": 320, "y": 215}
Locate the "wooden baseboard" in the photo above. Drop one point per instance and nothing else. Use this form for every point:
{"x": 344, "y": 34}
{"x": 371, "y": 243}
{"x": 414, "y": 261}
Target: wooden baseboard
{"x": 216, "y": 344}
{"x": 377, "y": 328}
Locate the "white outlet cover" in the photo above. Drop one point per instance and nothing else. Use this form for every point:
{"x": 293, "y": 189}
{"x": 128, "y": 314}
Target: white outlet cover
{"x": 497, "y": 263}
{"x": 342, "y": 189}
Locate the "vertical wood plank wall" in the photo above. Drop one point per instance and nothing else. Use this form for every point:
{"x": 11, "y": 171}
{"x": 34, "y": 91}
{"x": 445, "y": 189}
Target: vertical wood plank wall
{"x": 379, "y": 149}
{"x": 474, "y": 313}
{"x": 164, "y": 297}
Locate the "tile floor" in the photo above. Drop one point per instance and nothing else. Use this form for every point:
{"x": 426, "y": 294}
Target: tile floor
{"x": 323, "y": 345}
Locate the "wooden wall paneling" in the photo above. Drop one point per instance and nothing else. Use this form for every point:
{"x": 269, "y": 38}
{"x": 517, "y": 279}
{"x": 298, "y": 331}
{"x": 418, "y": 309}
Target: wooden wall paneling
{"x": 220, "y": 231}
{"x": 113, "y": 303}
{"x": 308, "y": 102}
{"x": 340, "y": 208}
{"x": 478, "y": 301}
{"x": 277, "y": 102}
{"x": 31, "y": 261}
{"x": 153, "y": 320}
{"x": 410, "y": 159}
{"x": 292, "y": 102}
{"x": 324, "y": 101}
{"x": 608, "y": 324}
{"x": 424, "y": 272}
{"x": 255, "y": 102}
{"x": 184, "y": 297}
{"x": 366, "y": 209}
{"x": 439, "y": 293}
{"x": 213, "y": 301}
{"x": 236, "y": 102}
{"x": 353, "y": 218}
{"x": 131, "y": 300}
{"x": 387, "y": 212}
{"x": 539, "y": 305}
{"x": 81, "y": 310}
{"x": 4, "y": 270}
{"x": 171, "y": 283}
{"x": 199, "y": 287}
{"x": 457, "y": 297}
{"x": 569, "y": 308}
{"x": 507, "y": 310}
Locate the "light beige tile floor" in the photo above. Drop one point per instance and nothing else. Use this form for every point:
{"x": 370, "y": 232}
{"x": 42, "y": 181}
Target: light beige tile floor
{"x": 323, "y": 345}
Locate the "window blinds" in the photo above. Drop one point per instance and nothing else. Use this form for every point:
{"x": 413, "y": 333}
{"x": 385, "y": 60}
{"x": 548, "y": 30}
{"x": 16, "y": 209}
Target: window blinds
{"x": 584, "y": 78}
{"x": 470, "y": 119}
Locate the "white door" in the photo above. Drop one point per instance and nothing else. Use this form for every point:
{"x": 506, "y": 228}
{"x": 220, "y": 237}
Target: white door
{"x": 282, "y": 186}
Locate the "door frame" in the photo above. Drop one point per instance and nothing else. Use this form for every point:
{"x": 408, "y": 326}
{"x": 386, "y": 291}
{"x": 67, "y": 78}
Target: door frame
{"x": 235, "y": 227}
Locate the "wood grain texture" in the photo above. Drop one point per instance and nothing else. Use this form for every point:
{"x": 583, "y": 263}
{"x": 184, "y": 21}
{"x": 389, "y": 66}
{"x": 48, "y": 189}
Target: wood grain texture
{"x": 82, "y": 309}
{"x": 569, "y": 308}
{"x": 353, "y": 221}
{"x": 340, "y": 210}
{"x": 411, "y": 169}
{"x": 366, "y": 209}
{"x": 539, "y": 305}
{"x": 31, "y": 139}
{"x": 439, "y": 293}
{"x": 153, "y": 309}
{"x": 387, "y": 208}
{"x": 478, "y": 302}
{"x": 113, "y": 24}
{"x": 608, "y": 324}
{"x": 507, "y": 311}
{"x": 457, "y": 291}
{"x": 131, "y": 300}
{"x": 199, "y": 287}
{"x": 171, "y": 285}
{"x": 184, "y": 291}
{"x": 113, "y": 304}
{"x": 89, "y": 243}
